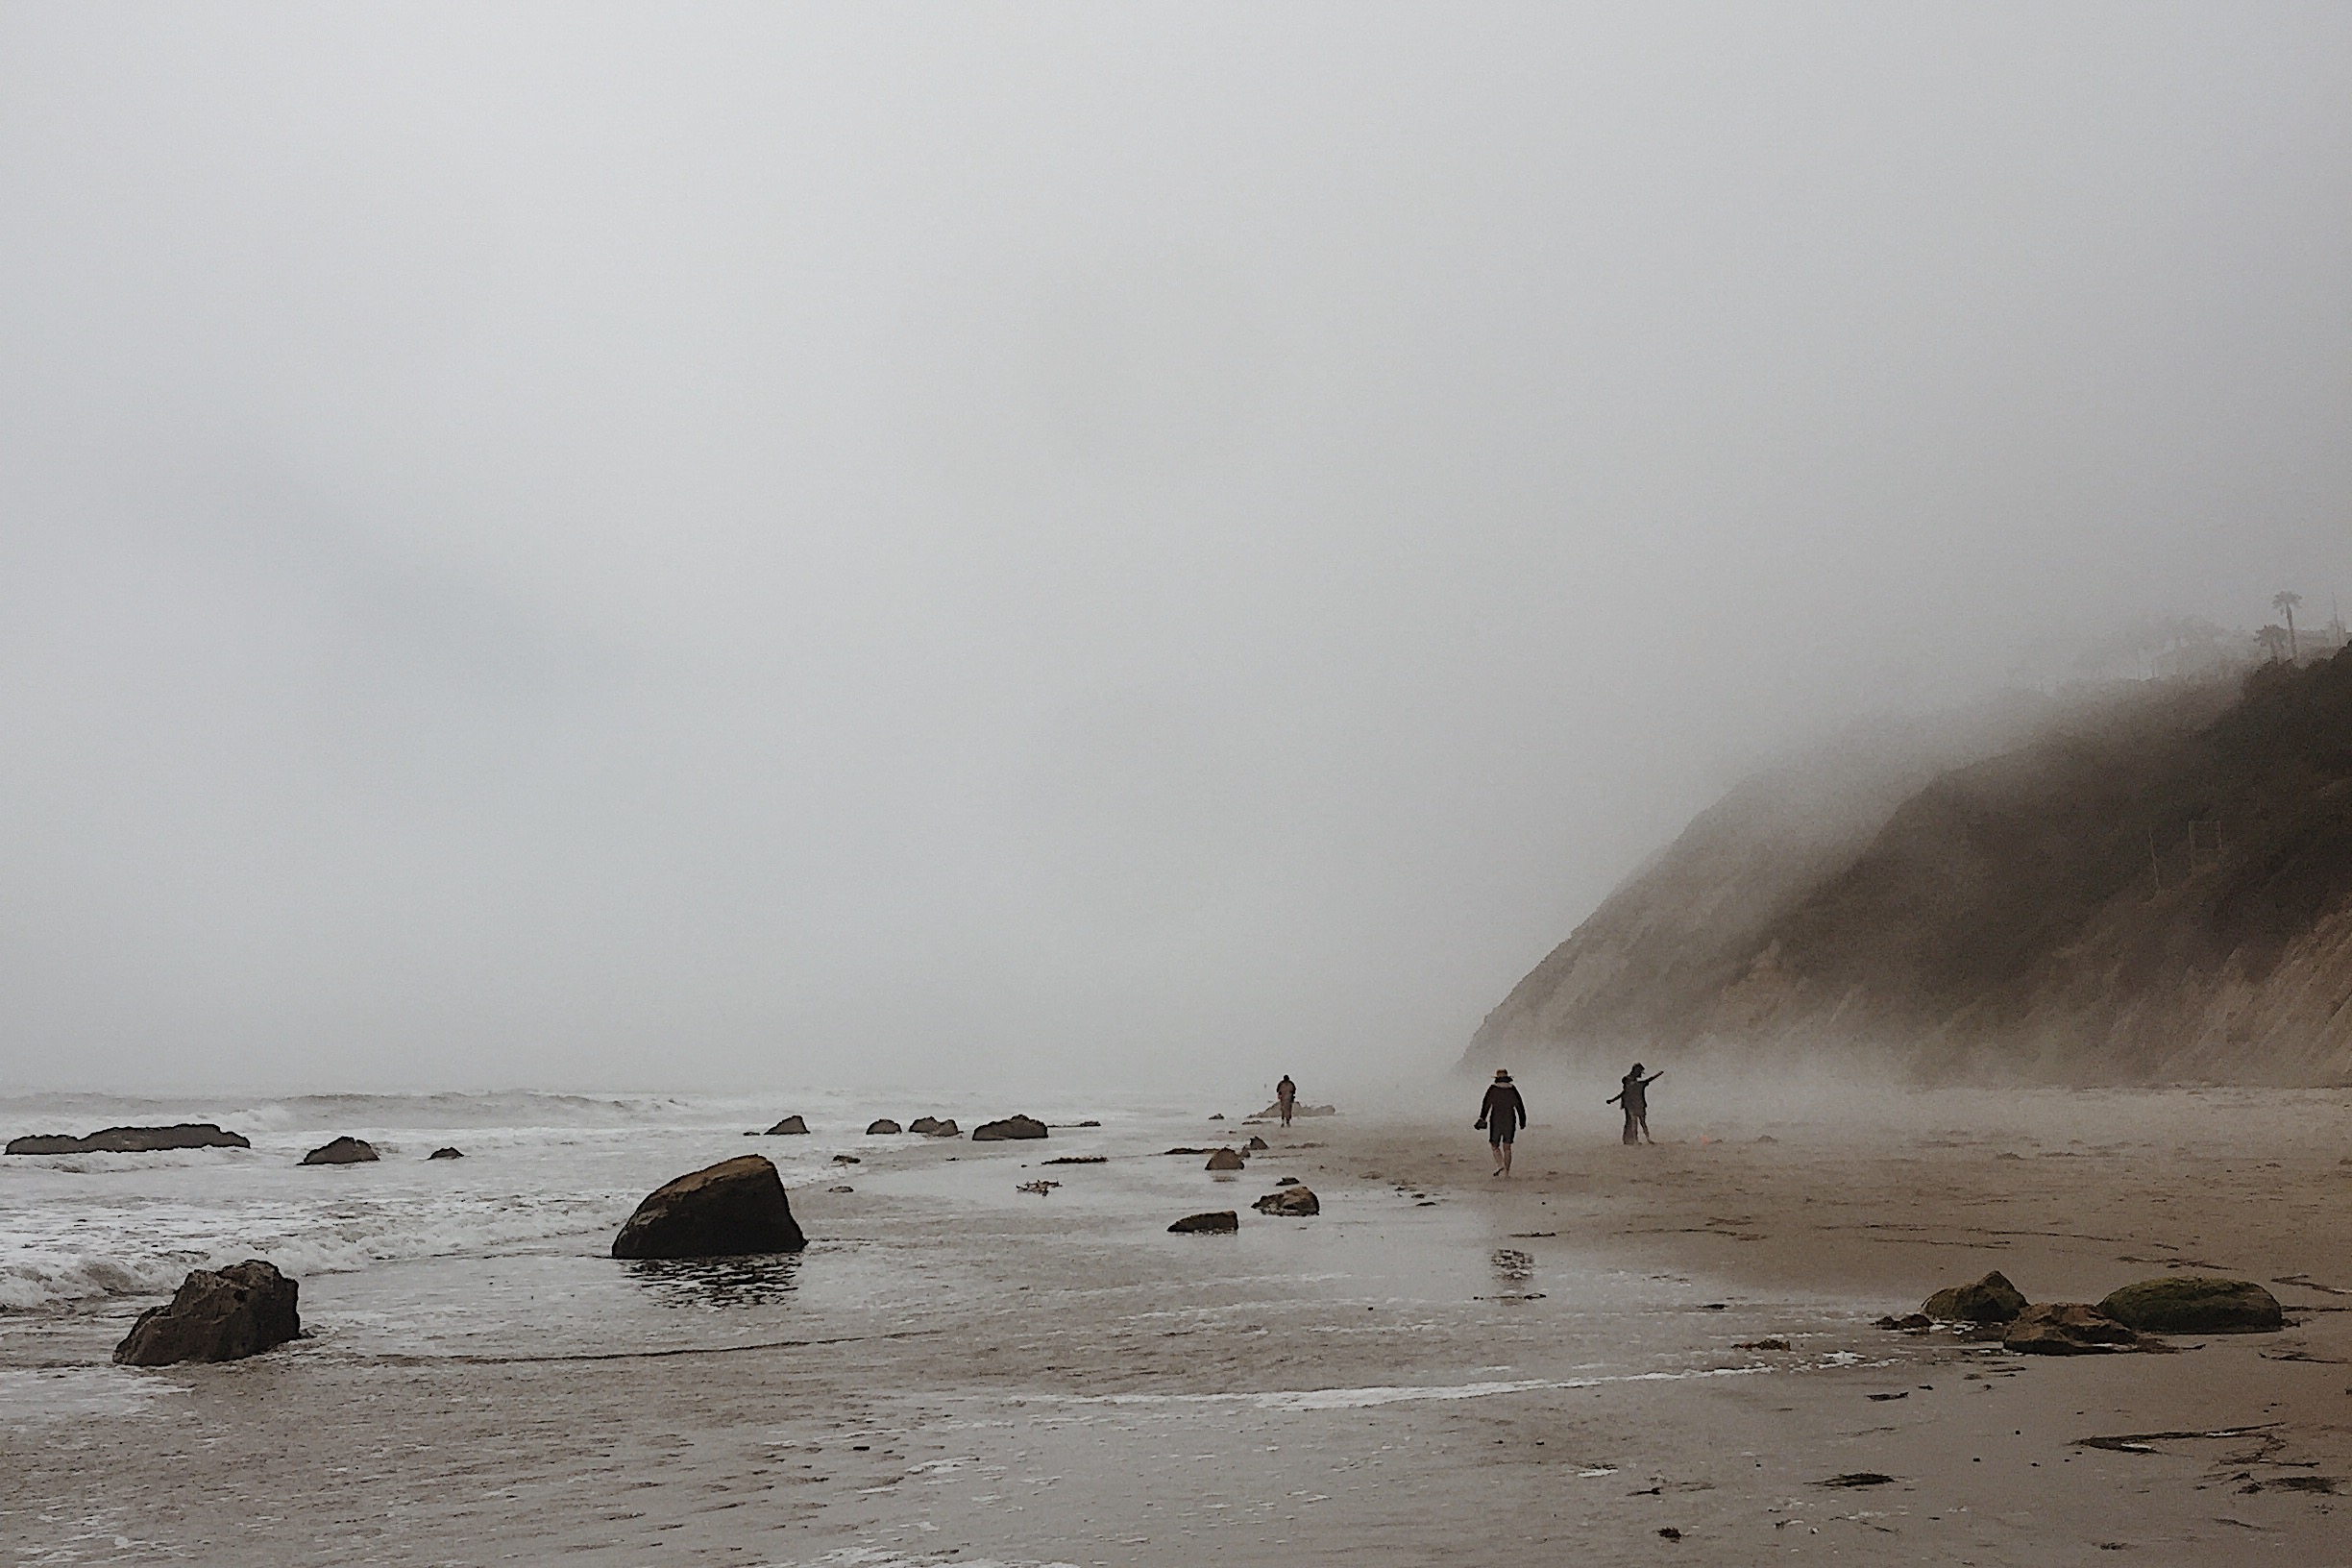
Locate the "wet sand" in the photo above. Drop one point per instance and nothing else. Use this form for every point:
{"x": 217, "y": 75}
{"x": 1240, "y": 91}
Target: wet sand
{"x": 1439, "y": 1365}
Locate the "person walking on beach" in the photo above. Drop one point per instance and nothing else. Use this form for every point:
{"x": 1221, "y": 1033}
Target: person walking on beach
{"x": 1634, "y": 1092}
{"x": 1285, "y": 1097}
{"x": 1502, "y": 1114}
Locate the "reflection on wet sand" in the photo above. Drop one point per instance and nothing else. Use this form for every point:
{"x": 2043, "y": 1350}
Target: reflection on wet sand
{"x": 718, "y": 1283}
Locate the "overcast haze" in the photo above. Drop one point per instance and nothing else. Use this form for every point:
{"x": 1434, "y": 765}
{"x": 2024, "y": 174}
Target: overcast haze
{"x": 714, "y": 545}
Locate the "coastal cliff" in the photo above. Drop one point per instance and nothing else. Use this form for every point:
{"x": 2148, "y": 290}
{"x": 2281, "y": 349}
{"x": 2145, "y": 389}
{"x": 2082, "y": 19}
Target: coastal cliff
{"x": 2153, "y": 885}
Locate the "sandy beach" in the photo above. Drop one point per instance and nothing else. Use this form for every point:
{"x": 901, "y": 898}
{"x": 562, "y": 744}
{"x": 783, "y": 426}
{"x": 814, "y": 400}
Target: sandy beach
{"x": 1439, "y": 1363}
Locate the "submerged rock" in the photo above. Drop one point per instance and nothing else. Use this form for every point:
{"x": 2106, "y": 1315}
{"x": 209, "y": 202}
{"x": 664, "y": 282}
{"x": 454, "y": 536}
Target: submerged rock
{"x": 883, "y": 1126}
{"x": 789, "y": 1125}
{"x": 988, "y": 1131}
{"x": 447, "y": 1153}
{"x": 342, "y": 1151}
{"x": 1291, "y": 1201}
{"x": 187, "y": 1135}
{"x": 217, "y": 1315}
{"x": 734, "y": 1206}
{"x": 1226, "y": 1159}
{"x": 1992, "y": 1299}
{"x": 2194, "y": 1304}
{"x": 2066, "y": 1328}
{"x": 1222, "y": 1220}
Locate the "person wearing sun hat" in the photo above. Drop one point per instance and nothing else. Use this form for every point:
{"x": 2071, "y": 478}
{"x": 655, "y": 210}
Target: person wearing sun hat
{"x": 1503, "y": 1115}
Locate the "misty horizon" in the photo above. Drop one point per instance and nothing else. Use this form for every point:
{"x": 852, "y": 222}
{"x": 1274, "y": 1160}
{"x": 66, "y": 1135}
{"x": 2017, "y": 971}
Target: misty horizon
{"x": 580, "y": 547}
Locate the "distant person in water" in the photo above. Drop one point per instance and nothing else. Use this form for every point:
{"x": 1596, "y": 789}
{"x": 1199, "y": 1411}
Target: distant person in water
{"x": 1285, "y": 1097}
{"x": 1634, "y": 1092}
{"x": 1503, "y": 1115}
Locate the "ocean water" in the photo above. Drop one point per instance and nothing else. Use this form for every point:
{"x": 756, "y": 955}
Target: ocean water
{"x": 80, "y": 1230}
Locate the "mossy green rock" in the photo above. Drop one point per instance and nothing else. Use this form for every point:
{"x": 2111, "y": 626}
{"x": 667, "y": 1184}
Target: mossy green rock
{"x": 1992, "y": 1299}
{"x": 2194, "y": 1304}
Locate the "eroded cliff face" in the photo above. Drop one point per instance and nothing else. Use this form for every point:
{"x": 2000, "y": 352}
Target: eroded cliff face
{"x": 2154, "y": 885}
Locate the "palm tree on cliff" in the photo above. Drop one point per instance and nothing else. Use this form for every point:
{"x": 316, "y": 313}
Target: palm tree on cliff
{"x": 2284, "y": 603}
{"x": 2273, "y": 640}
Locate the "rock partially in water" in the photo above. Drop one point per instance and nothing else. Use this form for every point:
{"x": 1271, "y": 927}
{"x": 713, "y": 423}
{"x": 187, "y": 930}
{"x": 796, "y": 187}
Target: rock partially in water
{"x": 882, "y": 1125}
{"x": 944, "y": 1127}
{"x": 1909, "y": 1320}
{"x": 185, "y": 1135}
{"x": 1256, "y": 1144}
{"x": 2066, "y": 1328}
{"x": 217, "y": 1315}
{"x": 1220, "y": 1220}
{"x": 1292, "y": 1202}
{"x": 1992, "y": 1299}
{"x": 447, "y": 1152}
{"x": 789, "y": 1125}
{"x": 734, "y": 1206}
{"x": 988, "y": 1131}
{"x": 342, "y": 1151}
{"x": 923, "y": 1124}
{"x": 1226, "y": 1159}
{"x": 2195, "y": 1303}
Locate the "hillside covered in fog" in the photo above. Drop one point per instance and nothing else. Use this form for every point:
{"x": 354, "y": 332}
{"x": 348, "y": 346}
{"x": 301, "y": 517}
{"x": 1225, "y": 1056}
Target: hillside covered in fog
{"x": 2156, "y": 884}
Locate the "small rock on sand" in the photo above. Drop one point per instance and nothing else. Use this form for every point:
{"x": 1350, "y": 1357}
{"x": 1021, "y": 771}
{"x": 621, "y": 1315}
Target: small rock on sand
{"x": 1288, "y": 1181}
{"x": 1291, "y": 1202}
{"x": 988, "y": 1131}
{"x": 2194, "y": 1304}
{"x": 221, "y": 1316}
{"x": 2066, "y": 1328}
{"x": 342, "y": 1151}
{"x": 882, "y": 1125}
{"x": 1222, "y": 1220}
{"x": 1992, "y": 1299}
{"x": 1256, "y": 1144}
{"x": 790, "y": 1125}
{"x": 724, "y": 1211}
{"x": 447, "y": 1152}
{"x": 1226, "y": 1159}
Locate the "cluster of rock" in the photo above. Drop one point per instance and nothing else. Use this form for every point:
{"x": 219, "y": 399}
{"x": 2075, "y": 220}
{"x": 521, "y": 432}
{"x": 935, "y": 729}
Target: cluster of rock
{"x": 881, "y": 1127}
{"x": 988, "y": 1131}
{"x": 2176, "y": 1304}
{"x": 187, "y": 1135}
{"x": 217, "y": 1315}
{"x": 735, "y": 1207}
{"x": 1289, "y": 1203}
{"x": 1274, "y": 1112}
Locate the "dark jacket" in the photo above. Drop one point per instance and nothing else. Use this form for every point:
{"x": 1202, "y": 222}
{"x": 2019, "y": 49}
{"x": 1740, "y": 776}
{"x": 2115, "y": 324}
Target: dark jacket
{"x": 1502, "y": 1109}
{"x": 1635, "y": 1093}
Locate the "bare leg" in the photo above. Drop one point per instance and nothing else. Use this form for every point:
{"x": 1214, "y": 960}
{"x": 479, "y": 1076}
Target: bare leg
{"x": 1507, "y": 1151}
{"x": 1501, "y": 1156}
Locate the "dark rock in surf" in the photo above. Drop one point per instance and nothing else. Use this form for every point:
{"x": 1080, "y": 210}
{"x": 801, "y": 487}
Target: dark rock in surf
{"x": 1221, "y": 1220}
{"x": 447, "y": 1153}
{"x": 2194, "y": 1304}
{"x": 1226, "y": 1159}
{"x": 883, "y": 1126}
{"x": 946, "y": 1128}
{"x": 1256, "y": 1144}
{"x": 1274, "y": 1112}
{"x": 187, "y": 1135}
{"x": 789, "y": 1125}
{"x": 342, "y": 1151}
{"x": 1288, "y": 1181}
{"x": 1992, "y": 1299}
{"x": 2066, "y": 1328}
{"x": 988, "y": 1131}
{"x": 217, "y": 1315}
{"x": 923, "y": 1124}
{"x": 732, "y": 1207}
{"x": 1909, "y": 1320}
{"x": 1291, "y": 1202}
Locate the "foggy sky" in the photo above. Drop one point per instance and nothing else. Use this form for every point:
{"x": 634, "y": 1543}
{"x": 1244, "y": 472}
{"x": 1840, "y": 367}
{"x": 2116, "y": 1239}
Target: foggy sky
{"x": 708, "y": 546}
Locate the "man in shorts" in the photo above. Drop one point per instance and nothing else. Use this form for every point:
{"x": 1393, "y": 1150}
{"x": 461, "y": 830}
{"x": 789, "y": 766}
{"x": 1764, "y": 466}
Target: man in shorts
{"x": 1503, "y": 1115}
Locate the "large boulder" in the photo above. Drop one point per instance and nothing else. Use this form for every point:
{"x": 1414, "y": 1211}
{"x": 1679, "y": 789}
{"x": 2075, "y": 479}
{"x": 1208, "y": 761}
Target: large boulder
{"x": 882, "y": 1125}
{"x": 2066, "y": 1328}
{"x": 217, "y": 1315}
{"x": 790, "y": 1125}
{"x": 1992, "y": 1299}
{"x": 925, "y": 1125}
{"x": 343, "y": 1151}
{"x": 187, "y": 1135}
{"x": 1011, "y": 1127}
{"x": 1291, "y": 1201}
{"x": 1222, "y": 1220}
{"x": 2194, "y": 1304}
{"x": 1225, "y": 1159}
{"x": 734, "y": 1206}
